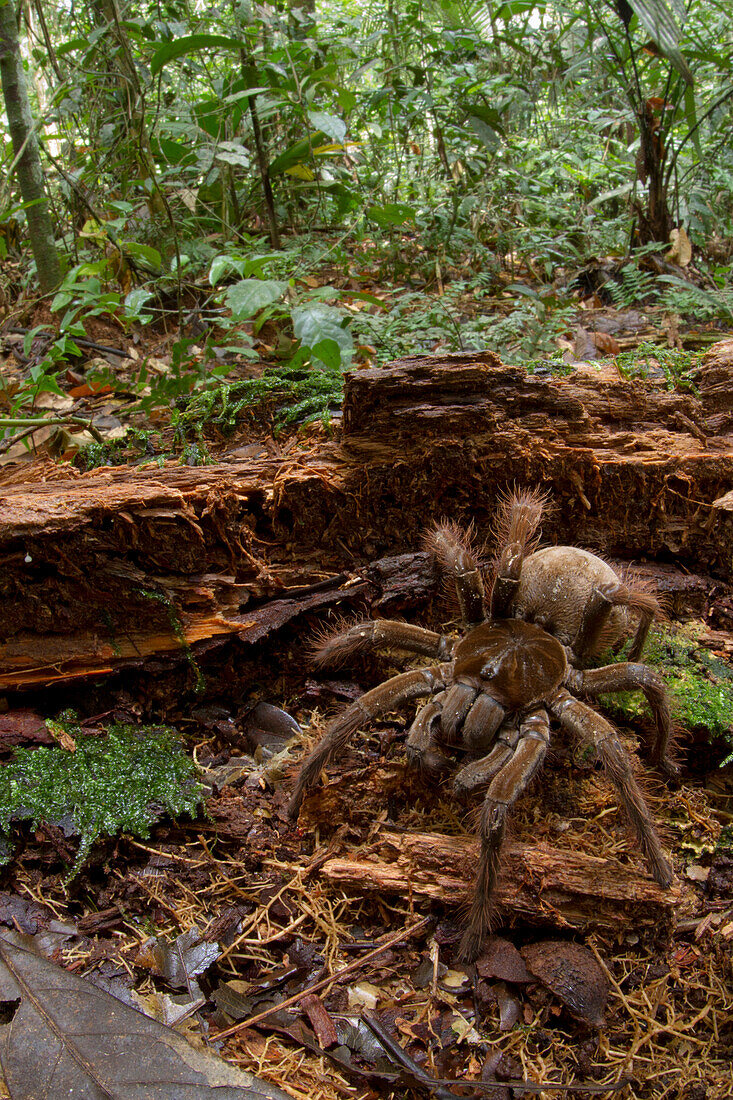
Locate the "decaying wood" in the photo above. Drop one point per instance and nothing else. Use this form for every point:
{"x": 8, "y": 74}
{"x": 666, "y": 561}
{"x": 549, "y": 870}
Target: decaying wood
{"x": 539, "y": 884}
{"x": 110, "y": 568}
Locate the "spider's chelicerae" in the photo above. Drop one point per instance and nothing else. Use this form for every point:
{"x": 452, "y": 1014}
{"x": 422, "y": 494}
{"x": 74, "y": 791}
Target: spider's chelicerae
{"x": 519, "y": 664}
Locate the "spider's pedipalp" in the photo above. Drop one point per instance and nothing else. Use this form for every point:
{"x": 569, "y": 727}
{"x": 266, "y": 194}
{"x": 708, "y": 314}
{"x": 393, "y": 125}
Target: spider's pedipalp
{"x": 453, "y": 547}
{"x": 335, "y": 647}
{"x": 517, "y": 533}
{"x": 457, "y": 703}
{"x": 380, "y": 700}
{"x": 423, "y": 738}
{"x": 505, "y": 788}
{"x": 477, "y": 773}
{"x": 589, "y": 726}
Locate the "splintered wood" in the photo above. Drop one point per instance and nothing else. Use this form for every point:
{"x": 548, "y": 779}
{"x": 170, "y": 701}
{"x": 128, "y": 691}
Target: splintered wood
{"x": 539, "y": 884}
{"x": 120, "y": 566}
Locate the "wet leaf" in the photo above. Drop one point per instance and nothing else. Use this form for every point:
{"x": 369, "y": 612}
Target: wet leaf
{"x": 509, "y": 1006}
{"x": 571, "y": 972}
{"x": 23, "y": 726}
{"x": 180, "y": 961}
{"x": 69, "y": 1038}
{"x": 500, "y": 959}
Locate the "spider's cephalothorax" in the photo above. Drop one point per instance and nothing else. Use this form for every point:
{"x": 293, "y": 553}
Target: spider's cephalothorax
{"x": 517, "y": 667}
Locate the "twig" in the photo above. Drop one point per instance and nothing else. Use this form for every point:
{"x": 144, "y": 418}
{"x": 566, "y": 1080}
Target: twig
{"x": 80, "y": 340}
{"x": 31, "y": 423}
{"x": 419, "y": 1077}
{"x": 436, "y": 1084}
{"x": 340, "y": 975}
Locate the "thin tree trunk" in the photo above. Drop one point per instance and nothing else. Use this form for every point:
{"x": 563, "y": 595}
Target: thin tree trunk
{"x": 27, "y": 156}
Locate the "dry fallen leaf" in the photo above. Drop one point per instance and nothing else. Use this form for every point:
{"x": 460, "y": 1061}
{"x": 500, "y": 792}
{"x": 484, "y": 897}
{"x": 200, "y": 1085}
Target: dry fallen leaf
{"x": 68, "y": 1038}
{"x": 500, "y": 959}
{"x": 681, "y": 251}
{"x": 571, "y": 972}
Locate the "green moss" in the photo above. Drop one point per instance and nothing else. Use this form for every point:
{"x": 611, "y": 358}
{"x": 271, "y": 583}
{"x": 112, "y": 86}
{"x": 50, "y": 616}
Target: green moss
{"x": 293, "y": 394}
{"x": 135, "y": 445}
{"x": 648, "y": 357}
{"x": 122, "y": 782}
{"x": 700, "y": 684}
{"x": 177, "y": 627}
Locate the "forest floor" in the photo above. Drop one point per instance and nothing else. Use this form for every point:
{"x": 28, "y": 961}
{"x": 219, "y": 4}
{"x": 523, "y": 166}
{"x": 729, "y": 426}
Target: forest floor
{"x": 309, "y": 984}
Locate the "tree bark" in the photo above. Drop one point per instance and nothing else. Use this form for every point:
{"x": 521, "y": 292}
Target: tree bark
{"x": 27, "y": 156}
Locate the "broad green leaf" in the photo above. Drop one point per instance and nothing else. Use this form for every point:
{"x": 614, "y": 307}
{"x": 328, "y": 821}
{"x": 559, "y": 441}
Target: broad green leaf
{"x": 134, "y": 302}
{"x": 316, "y": 322}
{"x": 231, "y": 152}
{"x": 486, "y": 135}
{"x": 327, "y": 352}
{"x": 190, "y": 43}
{"x": 151, "y": 256}
{"x": 249, "y": 296}
{"x": 617, "y": 193}
{"x": 331, "y": 125}
{"x": 391, "y": 213}
{"x": 301, "y": 150}
{"x": 221, "y": 265}
{"x": 488, "y": 115}
{"x": 301, "y": 172}
{"x": 71, "y": 45}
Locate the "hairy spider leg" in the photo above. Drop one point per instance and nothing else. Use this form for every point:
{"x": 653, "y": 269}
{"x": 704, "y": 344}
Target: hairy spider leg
{"x": 603, "y": 599}
{"x": 517, "y": 529}
{"x": 628, "y": 676}
{"x": 453, "y": 548}
{"x": 590, "y": 727}
{"x": 505, "y": 788}
{"x": 380, "y": 700}
{"x": 337, "y": 646}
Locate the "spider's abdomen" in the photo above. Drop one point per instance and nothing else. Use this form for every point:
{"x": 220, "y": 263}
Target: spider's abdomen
{"x": 517, "y": 663}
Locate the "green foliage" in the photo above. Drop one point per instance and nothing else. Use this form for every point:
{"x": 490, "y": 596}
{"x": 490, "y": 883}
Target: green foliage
{"x": 700, "y": 684}
{"x": 292, "y": 394}
{"x": 649, "y": 359}
{"x": 454, "y": 146}
{"x": 124, "y": 781}
{"x": 701, "y": 304}
{"x": 635, "y": 286}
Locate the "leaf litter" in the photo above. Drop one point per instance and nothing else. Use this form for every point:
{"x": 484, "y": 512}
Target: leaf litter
{"x": 280, "y": 972}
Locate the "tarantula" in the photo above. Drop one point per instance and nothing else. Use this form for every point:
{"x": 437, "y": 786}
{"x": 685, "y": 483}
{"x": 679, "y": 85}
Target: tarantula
{"x": 496, "y": 689}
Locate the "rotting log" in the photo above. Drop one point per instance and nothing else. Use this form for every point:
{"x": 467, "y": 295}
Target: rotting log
{"x": 539, "y": 884}
{"x": 107, "y": 569}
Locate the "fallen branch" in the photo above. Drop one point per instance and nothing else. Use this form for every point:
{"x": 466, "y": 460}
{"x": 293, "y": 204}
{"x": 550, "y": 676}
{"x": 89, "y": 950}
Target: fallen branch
{"x": 540, "y": 884}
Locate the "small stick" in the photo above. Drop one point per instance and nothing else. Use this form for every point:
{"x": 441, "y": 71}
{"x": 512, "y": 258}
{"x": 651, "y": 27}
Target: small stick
{"x": 420, "y": 1078}
{"x": 324, "y": 981}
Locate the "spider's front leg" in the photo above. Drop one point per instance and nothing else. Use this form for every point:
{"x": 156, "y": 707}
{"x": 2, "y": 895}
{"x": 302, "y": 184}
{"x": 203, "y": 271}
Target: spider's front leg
{"x": 334, "y": 647}
{"x": 505, "y": 788}
{"x": 380, "y": 700}
{"x": 589, "y": 726}
{"x": 517, "y": 530}
{"x": 630, "y": 676}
